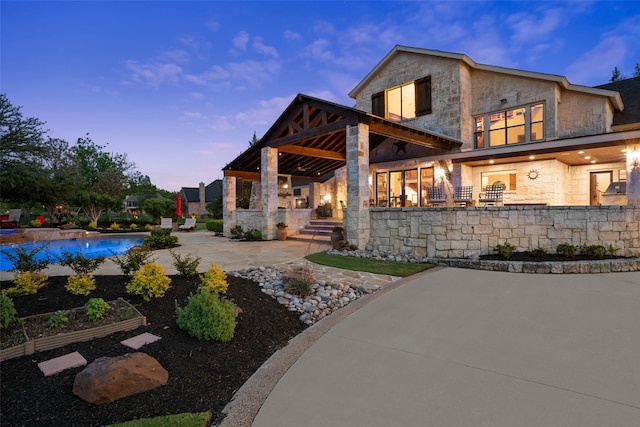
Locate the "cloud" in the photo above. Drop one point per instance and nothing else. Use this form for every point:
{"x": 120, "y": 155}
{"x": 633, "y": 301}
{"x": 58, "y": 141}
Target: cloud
{"x": 260, "y": 47}
{"x": 318, "y": 50}
{"x": 215, "y": 73}
{"x": 240, "y": 41}
{"x": 212, "y": 25}
{"x": 292, "y": 35}
{"x": 253, "y": 72}
{"x": 177, "y": 55}
{"x": 324, "y": 27}
{"x": 528, "y": 27}
{"x": 265, "y": 114}
{"x": 220, "y": 123}
{"x": 154, "y": 74}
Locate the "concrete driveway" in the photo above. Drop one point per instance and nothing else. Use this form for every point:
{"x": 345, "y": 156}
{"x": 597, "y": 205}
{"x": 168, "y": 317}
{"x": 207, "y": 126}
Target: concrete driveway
{"x": 454, "y": 347}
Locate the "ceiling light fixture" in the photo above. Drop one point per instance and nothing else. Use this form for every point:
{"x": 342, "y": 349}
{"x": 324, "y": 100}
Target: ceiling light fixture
{"x": 532, "y": 157}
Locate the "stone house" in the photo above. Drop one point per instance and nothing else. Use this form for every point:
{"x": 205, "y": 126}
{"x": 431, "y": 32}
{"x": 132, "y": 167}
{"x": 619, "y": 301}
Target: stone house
{"x": 565, "y": 159}
{"x": 195, "y": 199}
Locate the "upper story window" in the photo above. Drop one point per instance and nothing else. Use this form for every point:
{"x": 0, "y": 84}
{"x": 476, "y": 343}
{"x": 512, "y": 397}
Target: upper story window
{"x": 403, "y": 102}
{"x": 523, "y": 124}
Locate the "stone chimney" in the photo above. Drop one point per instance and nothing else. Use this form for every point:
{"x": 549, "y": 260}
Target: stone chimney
{"x": 203, "y": 203}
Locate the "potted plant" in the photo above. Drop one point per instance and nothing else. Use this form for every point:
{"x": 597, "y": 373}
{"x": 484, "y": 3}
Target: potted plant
{"x": 281, "y": 233}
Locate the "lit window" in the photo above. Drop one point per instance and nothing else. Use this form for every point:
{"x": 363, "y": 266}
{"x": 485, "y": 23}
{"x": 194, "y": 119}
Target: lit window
{"x": 524, "y": 124}
{"x": 401, "y": 102}
{"x": 506, "y": 178}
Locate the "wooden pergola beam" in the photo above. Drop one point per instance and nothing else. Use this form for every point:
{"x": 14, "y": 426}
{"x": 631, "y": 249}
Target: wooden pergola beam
{"x": 312, "y": 152}
{"x": 251, "y": 176}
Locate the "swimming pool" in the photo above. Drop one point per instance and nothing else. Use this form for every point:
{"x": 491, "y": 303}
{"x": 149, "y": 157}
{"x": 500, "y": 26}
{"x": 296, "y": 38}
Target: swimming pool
{"x": 91, "y": 248}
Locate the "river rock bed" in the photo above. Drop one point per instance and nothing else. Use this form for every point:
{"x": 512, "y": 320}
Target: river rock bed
{"x": 323, "y": 299}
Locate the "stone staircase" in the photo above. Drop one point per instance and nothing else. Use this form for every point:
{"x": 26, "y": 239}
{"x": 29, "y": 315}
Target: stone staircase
{"x": 318, "y": 230}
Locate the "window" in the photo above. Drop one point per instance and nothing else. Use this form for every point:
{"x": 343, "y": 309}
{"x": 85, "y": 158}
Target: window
{"x": 426, "y": 181}
{"x": 507, "y": 178}
{"x": 381, "y": 189}
{"x": 524, "y": 124}
{"x": 403, "y": 102}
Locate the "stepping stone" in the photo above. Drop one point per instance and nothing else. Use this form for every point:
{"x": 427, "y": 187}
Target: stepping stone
{"x": 140, "y": 340}
{"x": 59, "y": 364}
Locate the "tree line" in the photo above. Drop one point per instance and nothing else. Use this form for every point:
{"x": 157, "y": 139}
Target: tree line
{"x": 37, "y": 170}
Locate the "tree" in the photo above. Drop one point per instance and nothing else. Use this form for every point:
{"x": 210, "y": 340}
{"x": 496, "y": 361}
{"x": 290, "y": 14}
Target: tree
{"x": 215, "y": 208}
{"x": 254, "y": 140}
{"x": 21, "y": 153}
{"x": 158, "y": 208}
{"x": 103, "y": 176}
{"x": 141, "y": 186}
{"x": 59, "y": 182}
{"x": 615, "y": 75}
{"x": 636, "y": 73}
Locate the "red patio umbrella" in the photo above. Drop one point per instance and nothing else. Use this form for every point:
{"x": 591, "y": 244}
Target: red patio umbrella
{"x": 178, "y": 204}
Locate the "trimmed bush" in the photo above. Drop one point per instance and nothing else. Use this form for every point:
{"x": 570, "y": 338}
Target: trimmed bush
{"x": 567, "y": 249}
{"x": 92, "y": 225}
{"x": 58, "y": 319}
{"x": 27, "y": 283}
{"x": 160, "y": 239}
{"x": 25, "y": 260}
{"x": 148, "y": 227}
{"x": 149, "y": 282}
{"x": 115, "y": 226}
{"x": 133, "y": 227}
{"x": 133, "y": 259}
{"x": 8, "y": 313}
{"x": 214, "y": 279}
{"x": 215, "y": 225}
{"x": 95, "y": 309}
{"x": 208, "y": 316}
{"x": 187, "y": 266}
{"x": 505, "y": 250}
{"x": 79, "y": 263}
{"x": 81, "y": 284}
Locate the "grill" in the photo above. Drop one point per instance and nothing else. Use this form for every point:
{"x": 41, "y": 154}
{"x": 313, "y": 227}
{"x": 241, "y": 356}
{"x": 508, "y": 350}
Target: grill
{"x": 617, "y": 188}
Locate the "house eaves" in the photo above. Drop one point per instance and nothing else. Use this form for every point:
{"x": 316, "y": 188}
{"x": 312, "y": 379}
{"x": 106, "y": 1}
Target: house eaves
{"x": 614, "y": 97}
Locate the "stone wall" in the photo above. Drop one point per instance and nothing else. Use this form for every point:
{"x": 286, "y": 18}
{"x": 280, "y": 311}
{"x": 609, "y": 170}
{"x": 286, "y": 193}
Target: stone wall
{"x": 472, "y": 231}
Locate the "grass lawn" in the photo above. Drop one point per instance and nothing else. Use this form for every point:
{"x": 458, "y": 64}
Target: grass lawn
{"x": 180, "y": 420}
{"x": 392, "y": 268}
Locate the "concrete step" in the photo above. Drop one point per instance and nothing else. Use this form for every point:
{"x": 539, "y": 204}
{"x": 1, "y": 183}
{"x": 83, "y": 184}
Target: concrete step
{"x": 317, "y": 231}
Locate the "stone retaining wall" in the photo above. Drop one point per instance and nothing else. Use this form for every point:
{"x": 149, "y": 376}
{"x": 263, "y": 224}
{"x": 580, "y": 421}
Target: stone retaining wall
{"x": 566, "y": 267}
{"x": 457, "y": 232}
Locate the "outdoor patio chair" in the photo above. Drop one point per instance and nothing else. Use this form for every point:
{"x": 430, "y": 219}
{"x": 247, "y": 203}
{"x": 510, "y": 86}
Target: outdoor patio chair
{"x": 492, "y": 195}
{"x": 165, "y": 224}
{"x": 189, "y": 224}
{"x": 463, "y": 195}
{"x": 435, "y": 196}
{"x": 13, "y": 219}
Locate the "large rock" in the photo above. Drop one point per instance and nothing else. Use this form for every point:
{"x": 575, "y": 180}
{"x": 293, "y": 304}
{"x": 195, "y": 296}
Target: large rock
{"x": 112, "y": 378}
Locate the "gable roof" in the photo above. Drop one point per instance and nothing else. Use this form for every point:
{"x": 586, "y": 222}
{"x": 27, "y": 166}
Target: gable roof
{"x": 211, "y": 192}
{"x": 562, "y": 81}
{"x": 311, "y": 139}
{"x": 629, "y": 90}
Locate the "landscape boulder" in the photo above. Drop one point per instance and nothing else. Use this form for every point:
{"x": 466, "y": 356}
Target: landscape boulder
{"x": 112, "y": 378}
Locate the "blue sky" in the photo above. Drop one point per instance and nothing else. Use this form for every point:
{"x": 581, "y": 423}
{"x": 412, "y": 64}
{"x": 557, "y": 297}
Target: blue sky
{"x": 181, "y": 86}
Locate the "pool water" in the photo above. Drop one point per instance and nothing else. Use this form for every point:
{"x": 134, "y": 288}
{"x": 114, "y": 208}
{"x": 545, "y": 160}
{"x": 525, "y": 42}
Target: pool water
{"x": 91, "y": 248}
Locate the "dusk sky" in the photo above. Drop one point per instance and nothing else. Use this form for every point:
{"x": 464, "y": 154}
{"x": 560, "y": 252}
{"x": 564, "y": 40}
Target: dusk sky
{"x": 181, "y": 86}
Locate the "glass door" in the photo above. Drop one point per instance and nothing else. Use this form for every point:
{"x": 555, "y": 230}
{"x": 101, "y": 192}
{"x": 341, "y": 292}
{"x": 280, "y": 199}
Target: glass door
{"x": 382, "y": 190}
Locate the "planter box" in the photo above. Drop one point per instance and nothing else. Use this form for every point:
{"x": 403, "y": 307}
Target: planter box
{"x": 31, "y": 345}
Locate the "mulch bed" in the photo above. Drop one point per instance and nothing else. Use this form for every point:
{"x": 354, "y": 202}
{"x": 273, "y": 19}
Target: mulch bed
{"x": 203, "y": 375}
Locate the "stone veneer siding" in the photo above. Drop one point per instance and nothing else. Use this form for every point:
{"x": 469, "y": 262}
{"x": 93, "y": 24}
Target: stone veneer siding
{"x": 454, "y": 232}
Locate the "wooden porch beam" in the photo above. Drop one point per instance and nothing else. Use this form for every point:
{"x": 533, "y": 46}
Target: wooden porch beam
{"x": 408, "y": 135}
{"x": 252, "y": 176}
{"x": 312, "y": 152}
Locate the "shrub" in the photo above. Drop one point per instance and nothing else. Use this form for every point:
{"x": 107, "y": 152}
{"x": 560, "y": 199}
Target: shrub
{"x": 298, "y": 281}
{"x": 79, "y": 263}
{"x": 208, "y": 316}
{"x": 237, "y": 232}
{"x": 160, "y": 239}
{"x": 8, "y": 313}
{"x": 115, "y": 226}
{"x": 567, "y": 249}
{"x": 95, "y": 309}
{"x": 27, "y": 283}
{"x": 92, "y": 225}
{"x": 149, "y": 282}
{"x": 254, "y": 234}
{"x": 538, "y": 252}
{"x": 81, "y": 284}
{"x": 148, "y": 227}
{"x": 215, "y": 225}
{"x": 133, "y": 259}
{"x": 187, "y": 266}
{"x": 35, "y": 223}
{"x": 505, "y": 250}
{"x": 133, "y": 226}
{"x": 611, "y": 250}
{"x": 58, "y": 319}
{"x": 595, "y": 251}
{"x": 28, "y": 260}
{"x": 214, "y": 279}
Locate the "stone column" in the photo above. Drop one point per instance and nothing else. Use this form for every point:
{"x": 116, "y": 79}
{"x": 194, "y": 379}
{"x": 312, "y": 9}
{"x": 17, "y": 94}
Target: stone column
{"x": 269, "y": 184}
{"x": 314, "y": 196}
{"x": 228, "y": 204}
{"x": 633, "y": 174}
{"x": 357, "y": 223}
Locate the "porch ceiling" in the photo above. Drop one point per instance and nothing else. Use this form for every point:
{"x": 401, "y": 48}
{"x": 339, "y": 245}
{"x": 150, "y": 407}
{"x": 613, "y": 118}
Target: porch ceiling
{"x": 310, "y": 136}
